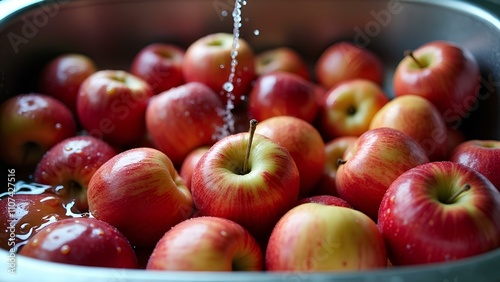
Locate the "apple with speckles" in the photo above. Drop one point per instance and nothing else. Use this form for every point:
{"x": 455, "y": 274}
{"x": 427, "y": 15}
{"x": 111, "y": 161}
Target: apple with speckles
{"x": 430, "y": 214}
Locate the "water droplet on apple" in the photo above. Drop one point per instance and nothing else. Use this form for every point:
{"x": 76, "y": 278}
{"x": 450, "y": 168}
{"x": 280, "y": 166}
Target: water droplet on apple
{"x": 58, "y": 126}
{"x": 256, "y": 32}
{"x": 224, "y": 13}
{"x": 118, "y": 249}
{"x": 34, "y": 242}
{"x": 408, "y": 246}
{"x": 65, "y": 249}
{"x": 223, "y": 233}
{"x": 25, "y": 228}
{"x": 98, "y": 232}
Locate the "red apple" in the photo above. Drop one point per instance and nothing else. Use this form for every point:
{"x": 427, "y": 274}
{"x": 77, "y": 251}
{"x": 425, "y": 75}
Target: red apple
{"x": 63, "y": 75}
{"x": 140, "y": 193}
{"x": 281, "y": 59}
{"x": 348, "y": 108}
{"x": 81, "y": 241}
{"x": 253, "y": 190}
{"x": 207, "y": 244}
{"x": 325, "y": 200}
{"x": 23, "y": 215}
{"x": 30, "y": 124}
{"x": 439, "y": 212}
{"x": 316, "y": 237}
{"x": 209, "y": 60}
{"x": 112, "y": 104}
{"x": 334, "y": 150}
{"x": 344, "y": 61}
{"x": 283, "y": 93}
{"x": 481, "y": 155}
{"x": 71, "y": 163}
{"x": 377, "y": 158}
{"x": 443, "y": 72}
{"x": 184, "y": 118}
{"x": 160, "y": 65}
{"x": 418, "y": 118}
{"x": 303, "y": 142}
{"x": 189, "y": 164}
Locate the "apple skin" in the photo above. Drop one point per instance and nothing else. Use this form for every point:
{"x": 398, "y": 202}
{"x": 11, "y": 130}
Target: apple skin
{"x": 184, "y": 118}
{"x": 81, "y": 241}
{"x": 348, "y": 108}
{"x": 29, "y": 214}
{"x": 316, "y": 237}
{"x": 482, "y": 156}
{"x": 303, "y": 142}
{"x": 334, "y": 150}
{"x": 189, "y": 164}
{"x": 377, "y": 158}
{"x": 281, "y": 59}
{"x": 450, "y": 78}
{"x": 257, "y": 199}
{"x": 418, "y": 226}
{"x": 71, "y": 163}
{"x": 418, "y": 118}
{"x": 131, "y": 192}
{"x": 343, "y": 61}
{"x": 111, "y": 105}
{"x": 160, "y": 65}
{"x": 207, "y": 244}
{"x": 283, "y": 93}
{"x": 30, "y": 124}
{"x": 325, "y": 200}
{"x": 62, "y": 76}
{"x": 208, "y": 60}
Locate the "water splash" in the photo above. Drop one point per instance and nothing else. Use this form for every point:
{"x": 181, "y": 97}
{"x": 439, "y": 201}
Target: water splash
{"x": 228, "y": 86}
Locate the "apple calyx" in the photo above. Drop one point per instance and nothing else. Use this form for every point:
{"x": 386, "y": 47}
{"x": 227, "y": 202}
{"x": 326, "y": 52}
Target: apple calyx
{"x": 251, "y": 131}
{"x": 409, "y": 53}
{"x": 341, "y": 162}
{"x": 453, "y": 197}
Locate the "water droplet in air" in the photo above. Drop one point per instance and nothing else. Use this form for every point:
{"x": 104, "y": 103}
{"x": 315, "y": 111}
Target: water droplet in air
{"x": 228, "y": 86}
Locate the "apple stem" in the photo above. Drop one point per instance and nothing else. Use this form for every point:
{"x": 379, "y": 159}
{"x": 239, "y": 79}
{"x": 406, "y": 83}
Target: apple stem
{"x": 409, "y": 53}
{"x": 251, "y": 131}
{"x": 464, "y": 188}
{"x": 341, "y": 162}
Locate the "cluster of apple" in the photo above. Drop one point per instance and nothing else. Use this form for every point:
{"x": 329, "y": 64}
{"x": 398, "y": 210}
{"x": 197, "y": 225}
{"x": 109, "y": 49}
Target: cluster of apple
{"x": 162, "y": 159}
